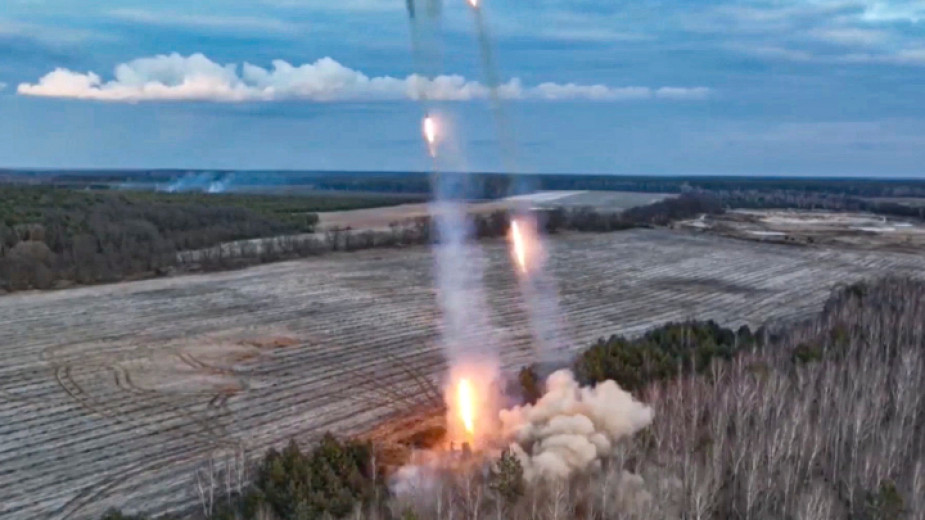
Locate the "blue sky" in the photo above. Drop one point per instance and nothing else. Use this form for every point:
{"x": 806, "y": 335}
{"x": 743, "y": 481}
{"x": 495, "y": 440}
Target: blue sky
{"x": 673, "y": 87}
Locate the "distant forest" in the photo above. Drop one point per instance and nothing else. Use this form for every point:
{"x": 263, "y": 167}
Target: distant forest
{"x": 488, "y": 185}
{"x": 52, "y": 236}
{"x": 882, "y": 196}
{"x": 68, "y": 228}
{"x": 875, "y": 196}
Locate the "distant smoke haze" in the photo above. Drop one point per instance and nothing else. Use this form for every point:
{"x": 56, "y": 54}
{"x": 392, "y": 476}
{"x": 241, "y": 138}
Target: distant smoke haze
{"x": 207, "y": 182}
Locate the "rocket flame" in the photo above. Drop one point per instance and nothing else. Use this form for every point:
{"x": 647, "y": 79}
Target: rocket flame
{"x": 430, "y": 134}
{"x": 466, "y": 398}
{"x": 520, "y": 246}
{"x": 430, "y": 130}
{"x": 474, "y": 3}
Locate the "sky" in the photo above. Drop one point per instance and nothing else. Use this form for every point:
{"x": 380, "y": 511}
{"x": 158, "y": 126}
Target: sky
{"x": 653, "y": 87}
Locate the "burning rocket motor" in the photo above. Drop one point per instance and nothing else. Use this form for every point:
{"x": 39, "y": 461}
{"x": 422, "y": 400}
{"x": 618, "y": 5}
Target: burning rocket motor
{"x": 526, "y": 249}
{"x": 473, "y": 399}
{"x": 429, "y": 128}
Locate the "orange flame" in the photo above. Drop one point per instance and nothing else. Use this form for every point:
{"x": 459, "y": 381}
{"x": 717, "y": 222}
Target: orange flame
{"x": 474, "y": 3}
{"x": 520, "y": 246}
{"x": 466, "y": 398}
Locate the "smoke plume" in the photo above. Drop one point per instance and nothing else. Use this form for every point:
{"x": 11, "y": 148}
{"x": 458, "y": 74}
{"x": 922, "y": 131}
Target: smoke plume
{"x": 571, "y": 429}
{"x": 540, "y": 293}
{"x": 466, "y": 332}
{"x": 208, "y": 182}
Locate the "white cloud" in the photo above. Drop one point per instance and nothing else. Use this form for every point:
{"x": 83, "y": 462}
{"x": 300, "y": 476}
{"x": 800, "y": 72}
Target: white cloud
{"x": 683, "y": 93}
{"x": 773, "y": 52}
{"x": 790, "y": 13}
{"x": 2, "y": 86}
{"x": 555, "y": 91}
{"x": 50, "y": 35}
{"x": 912, "y": 56}
{"x": 819, "y": 31}
{"x": 341, "y": 5}
{"x": 851, "y": 36}
{"x": 894, "y": 11}
{"x": 196, "y": 78}
{"x": 229, "y": 23}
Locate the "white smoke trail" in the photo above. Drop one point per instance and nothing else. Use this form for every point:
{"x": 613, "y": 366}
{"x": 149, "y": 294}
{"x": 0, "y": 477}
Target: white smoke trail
{"x": 425, "y": 25}
{"x": 466, "y": 329}
{"x": 572, "y": 429}
{"x": 466, "y": 332}
{"x": 493, "y": 82}
{"x": 540, "y": 297}
{"x": 539, "y": 289}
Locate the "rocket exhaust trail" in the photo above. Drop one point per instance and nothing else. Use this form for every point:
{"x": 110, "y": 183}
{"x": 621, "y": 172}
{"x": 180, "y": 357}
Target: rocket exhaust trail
{"x": 492, "y": 81}
{"x": 425, "y": 28}
{"x": 537, "y": 287}
{"x": 466, "y": 329}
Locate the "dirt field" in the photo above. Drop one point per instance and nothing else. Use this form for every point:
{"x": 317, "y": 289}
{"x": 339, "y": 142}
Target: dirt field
{"x": 602, "y": 200}
{"x": 816, "y": 228}
{"x": 380, "y": 218}
{"x": 113, "y": 395}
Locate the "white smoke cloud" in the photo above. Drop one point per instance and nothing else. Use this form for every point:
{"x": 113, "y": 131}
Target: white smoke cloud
{"x": 571, "y": 429}
{"x": 197, "y": 78}
{"x": 237, "y": 24}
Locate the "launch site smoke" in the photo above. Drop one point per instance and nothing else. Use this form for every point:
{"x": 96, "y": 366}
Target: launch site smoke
{"x": 207, "y": 182}
{"x": 571, "y": 429}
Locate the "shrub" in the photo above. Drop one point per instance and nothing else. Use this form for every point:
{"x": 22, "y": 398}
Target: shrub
{"x": 659, "y": 354}
{"x": 507, "y": 477}
{"x": 332, "y": 479}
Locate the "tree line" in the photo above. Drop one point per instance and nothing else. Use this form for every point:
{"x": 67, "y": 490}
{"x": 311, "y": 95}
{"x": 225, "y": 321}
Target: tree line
{"x": 488, "y": 184}
{"x": 751, "y": 199}
{"x": 814, "y": 420}
{"x": 52, "y": 236}
{"x": 496, "y": 185}
{"x": 49, "y": 236}
{"x": 423, "y": 231}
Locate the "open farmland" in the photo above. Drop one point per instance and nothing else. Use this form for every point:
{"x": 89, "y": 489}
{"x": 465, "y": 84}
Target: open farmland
{"x": 380, "y": 218}
{"x": 601, "y": 200}
{"x": 820, "y": 228}
{"x": 113, "y": 395}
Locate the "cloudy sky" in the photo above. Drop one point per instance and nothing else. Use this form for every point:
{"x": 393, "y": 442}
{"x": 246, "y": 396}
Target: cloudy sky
{"x": 777, "y": 87}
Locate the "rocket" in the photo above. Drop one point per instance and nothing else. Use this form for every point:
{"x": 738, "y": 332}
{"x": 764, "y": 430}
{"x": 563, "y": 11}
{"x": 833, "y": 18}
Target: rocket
{"x": 410, "y": 5}
{"x": 429, "y": 128}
